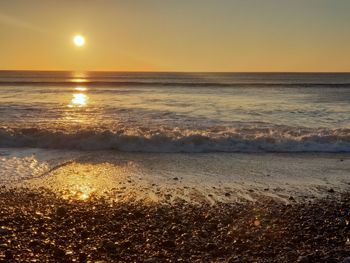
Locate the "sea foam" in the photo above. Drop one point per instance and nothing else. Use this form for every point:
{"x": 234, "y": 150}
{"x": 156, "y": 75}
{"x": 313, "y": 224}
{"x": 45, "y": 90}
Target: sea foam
{"x": 278, "y": 139}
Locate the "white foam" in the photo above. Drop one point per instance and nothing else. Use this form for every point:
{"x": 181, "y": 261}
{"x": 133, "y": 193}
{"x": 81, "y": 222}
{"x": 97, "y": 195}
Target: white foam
{"x": 277, "y": 139}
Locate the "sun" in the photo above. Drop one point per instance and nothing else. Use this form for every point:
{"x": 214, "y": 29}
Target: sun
{"x": 79, "y": 40}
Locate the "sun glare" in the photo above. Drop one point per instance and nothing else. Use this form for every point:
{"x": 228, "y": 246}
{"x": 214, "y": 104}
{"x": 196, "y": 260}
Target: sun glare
{"x": 78, "y": 100}
{"x": 79, "y": 40}
{"x": 79, "y": 88}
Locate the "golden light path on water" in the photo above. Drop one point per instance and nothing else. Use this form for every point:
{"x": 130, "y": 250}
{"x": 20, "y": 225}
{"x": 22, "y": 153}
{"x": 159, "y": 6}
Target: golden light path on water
{"x": 78, "y": 77}
{"x": 77, "y": 104}
{"x": 79, "y": 99}
{"x": 83, "y": 181}
{"x": 80, "y": 88}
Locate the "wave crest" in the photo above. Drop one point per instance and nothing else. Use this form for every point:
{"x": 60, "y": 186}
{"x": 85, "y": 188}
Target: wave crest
{"x": 280, "y": 139}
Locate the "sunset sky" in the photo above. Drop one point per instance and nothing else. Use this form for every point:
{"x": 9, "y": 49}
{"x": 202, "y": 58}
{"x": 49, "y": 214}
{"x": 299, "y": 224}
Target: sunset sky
{"x": 176, "y": 35}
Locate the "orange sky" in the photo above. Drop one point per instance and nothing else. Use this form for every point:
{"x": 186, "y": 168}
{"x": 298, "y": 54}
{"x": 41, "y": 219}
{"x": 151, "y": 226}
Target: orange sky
{"x": 176, "y": 35}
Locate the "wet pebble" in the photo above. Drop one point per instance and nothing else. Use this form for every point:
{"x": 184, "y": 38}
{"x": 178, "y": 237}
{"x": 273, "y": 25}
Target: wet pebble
{"x": 262, "y": 231}
{"x": 211, "y": 246}
{"x": 304, "y": 259}
{"x": 4, "y": 231}
{"x": 109, "y": 246}
{"x": 61, "y": 211}
{"x": 169, "y": 244}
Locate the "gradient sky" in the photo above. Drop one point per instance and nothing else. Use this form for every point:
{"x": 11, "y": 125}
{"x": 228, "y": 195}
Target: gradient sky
{"x": 176, "y": 35}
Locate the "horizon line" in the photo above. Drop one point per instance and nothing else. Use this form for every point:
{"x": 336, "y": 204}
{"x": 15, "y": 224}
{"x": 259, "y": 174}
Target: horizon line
{"x": 153, "y": 71}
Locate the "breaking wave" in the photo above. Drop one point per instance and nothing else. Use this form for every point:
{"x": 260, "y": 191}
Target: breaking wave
{"x": 278, "y": 139}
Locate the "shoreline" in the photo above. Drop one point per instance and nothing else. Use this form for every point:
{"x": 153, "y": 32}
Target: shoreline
{"x": 39, "y": 225}
{"x": 167, "y": 178}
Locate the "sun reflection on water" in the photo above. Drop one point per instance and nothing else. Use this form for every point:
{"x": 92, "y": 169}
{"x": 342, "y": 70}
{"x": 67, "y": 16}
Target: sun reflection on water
{"x": 86, "y": 181}
{"x": 80, "y": 88}
{"x": 79, "y": 77}
{"x": 79, "y": 192}
{"x": 77, "y": 112}
{"x": 79, "y": 100}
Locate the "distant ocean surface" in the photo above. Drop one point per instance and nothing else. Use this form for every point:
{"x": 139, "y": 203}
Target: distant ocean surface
{"x": 175, "y": 112}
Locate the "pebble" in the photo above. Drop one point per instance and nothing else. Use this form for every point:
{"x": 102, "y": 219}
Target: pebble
{"x": 82, "y": 257}
{"x": 8, "y": 255}
{"x": 262, "y": 231}
{"x": 109, "y": 246}
{"x": 169, "y": 244}
{"x": 4, "y": 231}
{"x": 211, "y": 246}
{"x": 303, "y": 259}
{"x": 151, "y": 260}
{"x": 61, "y": 211}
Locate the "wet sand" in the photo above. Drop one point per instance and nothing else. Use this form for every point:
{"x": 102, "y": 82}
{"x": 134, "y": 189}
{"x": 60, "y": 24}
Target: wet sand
{"x": 38, "y": 226}
{"x": 167, "y": 178}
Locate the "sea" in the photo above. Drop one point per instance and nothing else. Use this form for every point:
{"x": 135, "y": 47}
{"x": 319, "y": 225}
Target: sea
{"x": 186, "y": 115}
{"x": 176, "y": 112}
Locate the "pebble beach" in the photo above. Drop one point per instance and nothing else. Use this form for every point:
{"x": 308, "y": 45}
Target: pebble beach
{"x": 39, "y": 226}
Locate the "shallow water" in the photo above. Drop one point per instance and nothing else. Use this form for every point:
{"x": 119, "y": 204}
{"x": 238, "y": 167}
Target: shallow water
{"x": 156, "y": 177}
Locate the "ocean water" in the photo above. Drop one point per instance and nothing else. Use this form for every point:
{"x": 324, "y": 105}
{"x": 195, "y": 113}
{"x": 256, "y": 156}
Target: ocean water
{"x": 176, "y": 112}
